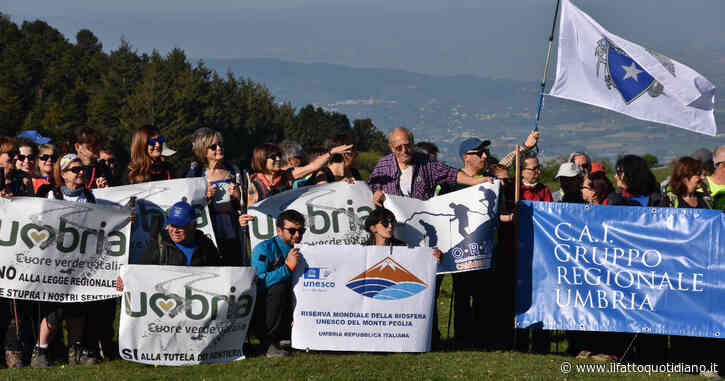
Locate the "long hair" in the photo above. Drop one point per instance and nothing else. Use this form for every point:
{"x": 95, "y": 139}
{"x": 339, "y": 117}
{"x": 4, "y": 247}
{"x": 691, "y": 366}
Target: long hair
{"x": 638, "y": 178}
{"x": 140, "y": 166}
{"x": 685, "y": 167}
{"x": 601, "y": 185}
{"x": 259, "y": 156}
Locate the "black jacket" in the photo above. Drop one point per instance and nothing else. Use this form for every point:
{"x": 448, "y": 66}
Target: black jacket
{"x": 166, "y": 252}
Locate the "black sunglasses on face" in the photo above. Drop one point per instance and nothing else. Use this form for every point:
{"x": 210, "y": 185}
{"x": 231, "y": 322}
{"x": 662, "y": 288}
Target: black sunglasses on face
{"x": 213, "y": 147}
{"x": 386, "y": 223}
{"x": 75, "y": 170}
{"x": 293, "y": 231}
{"x": 153, "y": 141}
{"x": 107, "y": 161}
{"x": 21, "y": 157}
{"x": 46, "y": 157}
{"x": 273, "y": 156}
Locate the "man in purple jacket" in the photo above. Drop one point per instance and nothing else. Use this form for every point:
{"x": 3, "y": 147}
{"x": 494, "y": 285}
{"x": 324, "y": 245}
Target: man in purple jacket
{"x": 405, "y": 172}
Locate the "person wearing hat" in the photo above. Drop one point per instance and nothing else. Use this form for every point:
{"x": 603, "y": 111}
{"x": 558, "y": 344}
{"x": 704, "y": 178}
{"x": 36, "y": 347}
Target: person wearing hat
{"x": 181, "y": 243}
{"x": 570, "y": 178}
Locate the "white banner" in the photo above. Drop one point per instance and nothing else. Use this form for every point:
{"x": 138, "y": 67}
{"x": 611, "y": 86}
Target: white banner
{"x": 371, "y": 299}
{"x": 461, "y": 224}
{"x": 153, "y": 200}
{"x": 334, "y": 213}
{"x": 61, "y": 251}
{"x": 177, "y": 315}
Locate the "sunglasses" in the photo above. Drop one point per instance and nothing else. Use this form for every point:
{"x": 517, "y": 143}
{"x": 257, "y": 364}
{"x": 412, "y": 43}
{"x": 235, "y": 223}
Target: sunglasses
{"x": 107, "y": 161}
{"x": 273, "y": 156}
{"x": 75, "y": 170}
{"x": 293, "y": 231}
{"x": 478, "y": 152}
{"x": 213, "y": 147}
{"x": 21, "y": 157}
{"x": 386, "y": 223}
{"x": 152, "y": 142}
{"x": 46, "y": 157}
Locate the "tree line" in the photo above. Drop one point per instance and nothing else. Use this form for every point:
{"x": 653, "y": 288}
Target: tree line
{"x": 52, "y": 85}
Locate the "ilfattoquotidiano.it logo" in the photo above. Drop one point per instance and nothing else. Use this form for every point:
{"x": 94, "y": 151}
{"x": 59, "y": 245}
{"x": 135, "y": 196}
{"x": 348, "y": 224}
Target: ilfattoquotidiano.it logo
{"x": 386, "y": 280}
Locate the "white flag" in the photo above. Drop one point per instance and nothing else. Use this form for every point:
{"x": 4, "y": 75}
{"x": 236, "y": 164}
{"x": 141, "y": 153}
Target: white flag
{"x": 605, "y": 70}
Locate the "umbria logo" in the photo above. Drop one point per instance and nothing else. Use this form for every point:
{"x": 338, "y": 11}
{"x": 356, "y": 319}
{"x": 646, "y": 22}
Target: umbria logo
{"x": 386, "y": 280}
{"x": 65, "y": 237}
{"x": 195, "y": 306}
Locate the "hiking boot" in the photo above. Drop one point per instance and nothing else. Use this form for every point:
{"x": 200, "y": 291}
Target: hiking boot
{"x": 275, "y": 351}
{"x": 14, "y": 359}
{"x": 74, "y": 354}
{"x": 40, "y": 358}
{"x": 89, "y": 357}
{"x": 285, "y": 344}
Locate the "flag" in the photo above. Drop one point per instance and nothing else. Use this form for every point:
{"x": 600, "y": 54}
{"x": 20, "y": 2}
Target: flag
{"x": 602, "y": 69}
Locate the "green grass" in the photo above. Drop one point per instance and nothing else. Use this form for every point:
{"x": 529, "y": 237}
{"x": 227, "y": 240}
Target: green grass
{"x": 446, "y": 365}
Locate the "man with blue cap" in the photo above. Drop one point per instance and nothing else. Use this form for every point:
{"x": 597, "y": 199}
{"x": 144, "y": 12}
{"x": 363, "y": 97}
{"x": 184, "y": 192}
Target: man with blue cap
{"x": 181, "y": 243}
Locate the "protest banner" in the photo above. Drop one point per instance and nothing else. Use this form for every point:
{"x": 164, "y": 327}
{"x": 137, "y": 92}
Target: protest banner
{"x": 334, "y": 213}
{"x": 461, "y": 224}
{"x": 621, "y": 269}
{"x": 178, "y": 315}
{"x": 61, "y": 251}
{"x": 152, "y": 202}
{"x": 372, "y": 298}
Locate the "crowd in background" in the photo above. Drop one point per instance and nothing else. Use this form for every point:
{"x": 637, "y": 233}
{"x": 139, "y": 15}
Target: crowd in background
{"x": 32, "y": 166}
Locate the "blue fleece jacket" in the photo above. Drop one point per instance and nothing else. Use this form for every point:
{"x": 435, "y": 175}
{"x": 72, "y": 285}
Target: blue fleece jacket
{"x": 268, "y": 258}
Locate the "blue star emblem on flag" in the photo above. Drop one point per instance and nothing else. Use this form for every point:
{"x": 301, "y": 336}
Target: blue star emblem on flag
{"x": 628, "y": 77}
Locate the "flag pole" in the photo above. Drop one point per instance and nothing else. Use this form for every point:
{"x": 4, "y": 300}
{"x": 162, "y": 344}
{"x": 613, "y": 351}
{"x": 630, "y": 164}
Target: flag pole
{"x": 546, "y": 68}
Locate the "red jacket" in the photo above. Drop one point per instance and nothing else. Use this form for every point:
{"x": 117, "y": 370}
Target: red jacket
{"x": 538, "y": 192}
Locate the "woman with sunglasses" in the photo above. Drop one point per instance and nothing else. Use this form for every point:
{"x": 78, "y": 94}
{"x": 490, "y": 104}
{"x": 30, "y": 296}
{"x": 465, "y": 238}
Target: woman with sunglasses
{"x": 7, "y": 164}
{"x": 269, "y": 178}
{"x": 146, "y": 162}
{"x": 24, "y": 162}
{"x": 44, "y": 166}
{"x": 223, "y": 193}
{"x": 340, "y": 166}
{"x": 637, "y": 184}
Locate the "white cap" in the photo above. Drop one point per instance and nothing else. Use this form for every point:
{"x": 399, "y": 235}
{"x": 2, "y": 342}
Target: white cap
{"x": 568, "y": 170}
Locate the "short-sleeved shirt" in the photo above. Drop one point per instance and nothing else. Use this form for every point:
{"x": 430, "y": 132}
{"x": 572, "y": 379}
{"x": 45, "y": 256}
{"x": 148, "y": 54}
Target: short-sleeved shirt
{"x": 427, "y": 173}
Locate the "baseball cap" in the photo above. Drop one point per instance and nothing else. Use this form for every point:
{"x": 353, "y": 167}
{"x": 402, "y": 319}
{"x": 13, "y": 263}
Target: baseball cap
{"x": 568, "y": 170}
{"x": 181, "y": 214}
{"x": 35, "y": 136}
{"x": 471, "y": 144}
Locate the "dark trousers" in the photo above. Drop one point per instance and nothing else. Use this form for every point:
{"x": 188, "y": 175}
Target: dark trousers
{"x": 273, "y": 314}
{"x": 231, "y": 252}
{"x": 472, "y": 323}
{"x": 435, "y": 341}
{"x": 106, "y": 332}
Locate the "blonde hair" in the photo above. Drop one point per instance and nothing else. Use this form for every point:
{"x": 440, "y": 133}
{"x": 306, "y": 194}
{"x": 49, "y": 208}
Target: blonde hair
{"x": 202, "y": 141}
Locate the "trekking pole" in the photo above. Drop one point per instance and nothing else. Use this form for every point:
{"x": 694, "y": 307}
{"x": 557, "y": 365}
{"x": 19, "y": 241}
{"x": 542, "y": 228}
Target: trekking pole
{"x": 517, "y": 196}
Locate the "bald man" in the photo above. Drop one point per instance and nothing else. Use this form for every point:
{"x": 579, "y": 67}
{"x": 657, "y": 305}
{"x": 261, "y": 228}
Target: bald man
{"x": 405, "y": 172}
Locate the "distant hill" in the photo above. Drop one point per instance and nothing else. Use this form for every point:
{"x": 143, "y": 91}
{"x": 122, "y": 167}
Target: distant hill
{"x": 447, "y": 109}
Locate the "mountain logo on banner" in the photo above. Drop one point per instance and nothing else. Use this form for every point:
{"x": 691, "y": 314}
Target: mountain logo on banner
{"x": 624, "y": 74}
{"x": 386, "y": 280}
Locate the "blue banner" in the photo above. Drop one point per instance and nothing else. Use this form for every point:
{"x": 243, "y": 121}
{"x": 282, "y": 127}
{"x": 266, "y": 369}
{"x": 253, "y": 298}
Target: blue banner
{"x": 621, "y": 269}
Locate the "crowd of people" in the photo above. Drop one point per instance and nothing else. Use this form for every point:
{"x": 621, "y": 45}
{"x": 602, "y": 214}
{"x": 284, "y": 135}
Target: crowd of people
{"x": 31, "y": 166}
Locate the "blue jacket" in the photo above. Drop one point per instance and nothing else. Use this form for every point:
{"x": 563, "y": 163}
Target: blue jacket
{"x": 268, "y": 258}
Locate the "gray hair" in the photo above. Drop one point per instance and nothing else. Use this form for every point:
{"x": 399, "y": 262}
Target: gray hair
{"x": 291, "y": 149}
{"x": 402, "y": 129}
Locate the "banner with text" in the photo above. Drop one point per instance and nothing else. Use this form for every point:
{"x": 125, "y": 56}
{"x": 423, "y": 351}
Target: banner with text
{"x": 461, "y": 224}
{"x": 153, "y": 200}
{"x": 372, "y": 299}
{"x": 621, "y": 269}
{"x": 61, "y": 251}
{"x": 334, "y": 213}
{"x": 178, "y": 315}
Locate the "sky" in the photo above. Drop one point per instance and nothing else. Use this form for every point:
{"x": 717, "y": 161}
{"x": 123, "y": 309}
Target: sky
{"x": 497, "y": 39}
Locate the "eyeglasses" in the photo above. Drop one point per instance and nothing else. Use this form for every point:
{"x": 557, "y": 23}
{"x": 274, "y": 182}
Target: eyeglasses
{"x": 46, "y": 157}
{"x": 21, "y": 157}
{"x": 294, "y": 231}
{"x": 107, "y": 162}
{"x": 213, "y": 147}
{"x": 586, "y": 187}
{"x": 152, "y": 142}
{"x": 75, "y": 170}
{"x": 537, "y": 168}
{"x": 619, "y": 171}
{"x": 403, "y": 147}
{"x": 386, "y": 223}
{"x": 273, "y": 156}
